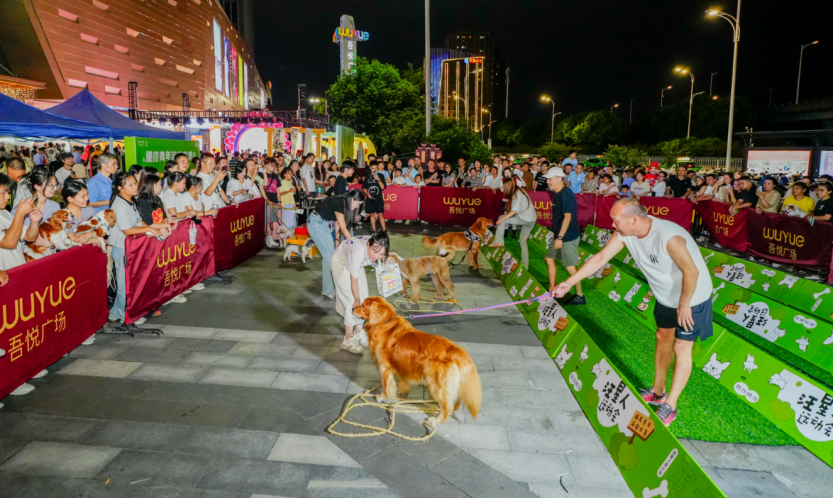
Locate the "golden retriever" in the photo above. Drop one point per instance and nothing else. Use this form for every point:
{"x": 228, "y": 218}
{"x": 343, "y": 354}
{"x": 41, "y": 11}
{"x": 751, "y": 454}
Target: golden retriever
{"x": 413, "y": 269}
{"x": 415, "y": 357}
{"x": 457, "y": 241}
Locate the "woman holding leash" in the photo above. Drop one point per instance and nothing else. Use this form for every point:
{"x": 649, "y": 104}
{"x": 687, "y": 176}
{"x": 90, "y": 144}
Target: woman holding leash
{"x": 347, "y": 263}
{"x": 521, "y": 213}
{"x": 337, "y": 213}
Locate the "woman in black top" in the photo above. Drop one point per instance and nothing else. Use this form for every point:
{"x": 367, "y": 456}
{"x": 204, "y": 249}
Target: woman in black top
{"x": 374, "y": 206}
{"x": 824, "y": 207}
{"x": 338, "y": 212}
{"x": 271, "y": 185}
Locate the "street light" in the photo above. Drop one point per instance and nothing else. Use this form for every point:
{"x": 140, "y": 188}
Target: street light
{"x": 630, "y": 119}
{"x": 800, "y": 60}
{"x": 465, "y": 107}
{"x": 315, "y": 100}
{"x": 546, "y": 98}
{"x": 662, "y": 94}
{"x": 711, "y": 81}
{"x": 770, "y": 96}
{"x": 490, "y": 126}
{"x": 683, "y": 71}
{"x": 611, "y": 107}
{"x": 735, "y": 22}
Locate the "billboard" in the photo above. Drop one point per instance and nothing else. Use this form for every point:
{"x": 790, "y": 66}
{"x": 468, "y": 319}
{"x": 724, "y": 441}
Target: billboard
{"x": 240, "y": 86}
{"x": 789, "y": 162}
{"x": 156, "y": 152}
{"x": 218, "y": 58}
{"x": 226, "y": 47}
{"x": 245, "y": 86}
{"x": 826, "y": 163}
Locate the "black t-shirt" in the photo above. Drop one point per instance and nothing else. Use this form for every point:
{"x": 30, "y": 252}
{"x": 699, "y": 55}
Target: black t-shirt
{"x": 327, "y": 208}
{"x": 341, "y": 185}
{"x": 433, "y": 175}
{"x": 540, "y": 183}
{"x": 824, "y": 207}
{"x": 565, "y": 202}
{"x": 748, "y": 196}
{"x": 374, "y": 187}
{"x": 147, "y": 207}
{"x": 330, "y": 191}
{"x": 678, "y": 187}
{"x": 273, "y": 182}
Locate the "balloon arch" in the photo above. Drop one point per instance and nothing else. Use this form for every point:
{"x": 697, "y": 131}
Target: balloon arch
{"x": 230, "y": 143}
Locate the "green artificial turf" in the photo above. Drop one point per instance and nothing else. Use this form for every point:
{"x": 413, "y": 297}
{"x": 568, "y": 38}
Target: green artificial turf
{"x": 706, "y": 411}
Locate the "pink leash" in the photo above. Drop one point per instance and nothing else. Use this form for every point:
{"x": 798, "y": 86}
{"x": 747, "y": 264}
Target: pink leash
{"x": 546, "y": 295}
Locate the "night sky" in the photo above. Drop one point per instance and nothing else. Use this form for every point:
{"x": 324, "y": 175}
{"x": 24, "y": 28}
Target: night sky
{"x": 588, "y": 55}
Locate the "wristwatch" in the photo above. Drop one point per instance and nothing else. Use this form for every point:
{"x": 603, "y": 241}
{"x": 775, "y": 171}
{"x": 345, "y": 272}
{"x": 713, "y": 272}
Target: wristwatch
{"x": 560, "y": 238}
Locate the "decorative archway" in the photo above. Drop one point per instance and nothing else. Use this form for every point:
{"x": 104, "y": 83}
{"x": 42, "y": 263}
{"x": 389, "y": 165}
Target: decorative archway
{"x": 232, "y": 140}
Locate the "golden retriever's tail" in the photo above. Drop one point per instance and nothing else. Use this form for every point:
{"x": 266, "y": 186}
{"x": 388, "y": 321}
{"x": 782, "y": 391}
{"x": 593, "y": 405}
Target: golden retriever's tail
{"x": 470, "y": 391}
{"x": 429, "y": 242}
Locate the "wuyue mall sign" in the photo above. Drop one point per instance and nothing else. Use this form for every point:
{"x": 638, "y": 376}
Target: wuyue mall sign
{"x": 347, "y": 36}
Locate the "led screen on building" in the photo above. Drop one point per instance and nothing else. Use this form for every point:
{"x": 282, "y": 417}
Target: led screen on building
{"x": 218, "y": 58}
{"x": 232, "y": 64}
{"x": 240, "y": 86}
{"x": 245, "y": 86}
{"x": 789, "y": 162}
{"x": 226, "y": 67}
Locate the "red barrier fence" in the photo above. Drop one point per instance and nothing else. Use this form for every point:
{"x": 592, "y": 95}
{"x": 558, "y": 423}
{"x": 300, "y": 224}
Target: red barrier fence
{"x": 157, "y": 271}
{"x": 728, "y": 230}
{"x": 458, "y": 206}
{"x": 239, "y": 233}
{"x": 543, "y": 207}
{"x": 680, "y": 211}
{"x": 787, "y": 239}
{"x": 586, "y": 209}
{"x": 49, "y": 307}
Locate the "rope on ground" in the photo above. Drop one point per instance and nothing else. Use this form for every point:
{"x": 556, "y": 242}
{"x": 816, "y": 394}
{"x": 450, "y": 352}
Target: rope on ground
{"x": 396, "y": 304}
{"x": 429, "y": 407}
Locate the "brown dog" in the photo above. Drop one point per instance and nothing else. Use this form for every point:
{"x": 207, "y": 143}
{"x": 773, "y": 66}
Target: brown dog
{"x": 55, "y": 231}
{"x": 457, "y": 241}
{"x": 413, "y": 269}
{"x": 415, "y": 357}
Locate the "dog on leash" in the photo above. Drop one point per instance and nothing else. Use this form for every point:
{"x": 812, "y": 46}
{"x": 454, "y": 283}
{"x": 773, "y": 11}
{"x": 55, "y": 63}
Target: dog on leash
{"x": 413, "y": 269}
{"x": 283, "y": 234}
{"x": 458, "y": 241}
{"x": 415, "y": 357}
{"x": 303, "y": 251}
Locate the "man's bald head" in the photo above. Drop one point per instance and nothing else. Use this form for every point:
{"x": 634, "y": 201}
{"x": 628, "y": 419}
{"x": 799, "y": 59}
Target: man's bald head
{"x": 629, "y": 206}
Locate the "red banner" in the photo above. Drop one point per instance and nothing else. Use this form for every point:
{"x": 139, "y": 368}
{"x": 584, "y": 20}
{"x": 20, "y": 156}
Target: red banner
{"x": 458, "y": 206}
{"x": 586, "y": 209}
{"x": 49, "y": 307}
{"x": 159, "y": 271}
{"x": 787, "y": 239}
{"x": 239, "y": 233}
{"x": 603, "y": 206}
{"x": 728, "y": 231}
{"x": 680, "y": 211}
{"x": 401, "y": 203}
{"x": 543, "y": 207}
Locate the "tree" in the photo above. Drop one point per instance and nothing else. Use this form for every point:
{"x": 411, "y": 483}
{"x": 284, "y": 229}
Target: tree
{"x": 555, "y": 151}
{"x": 530, "y": 134}
{"x": 671, "y": 150}
{"x": 564, "y": 128}
{"x": 504, "y": 131}
{"x": 456, "y": 141}
{"x": 598, "y": 128}
{"x": 624, "y": 156}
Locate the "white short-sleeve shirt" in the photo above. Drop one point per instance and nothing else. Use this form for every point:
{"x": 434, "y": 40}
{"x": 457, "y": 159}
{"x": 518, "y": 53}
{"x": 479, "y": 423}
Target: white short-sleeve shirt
{"x": 177, "y": 201}
{"x": 355, "y": 252}
{"x": 9, "y": 258}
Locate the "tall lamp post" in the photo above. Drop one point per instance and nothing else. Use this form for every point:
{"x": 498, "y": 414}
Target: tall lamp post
{"x": 427, "y": 69}
{"x": 612, "y": 107}
{"x": 681, "y": 71}
{"x": 490, "y": 126}
{"x": 465, "y": 108}
{"x": 545, "y": 98}
{"x": 711, "y": 81}
{"x": 800, "y": 61}
{"x": 630, "y": 119}
{"x": 662, "y": 94}
{"x": 735, "y": 22}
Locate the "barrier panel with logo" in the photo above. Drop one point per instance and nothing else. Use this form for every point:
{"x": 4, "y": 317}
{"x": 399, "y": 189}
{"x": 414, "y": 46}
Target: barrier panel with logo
{"x": 401, "y": 203}
{"x": 603, "y": 207}
{"x": 680, "y": 211}
{"x": 543, "y": 207}
{"x": 156, "y": 272}
{"x": 49, "y": 307}
{"x": 791, "y": 240}
{"x": 586, "y": 209}
{"x": 458, "y": 206}
{"x": 729, "y": 230}
{"x": 239, "y": 233}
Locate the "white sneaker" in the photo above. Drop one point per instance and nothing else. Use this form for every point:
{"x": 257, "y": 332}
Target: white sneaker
{"x": 89, "y": 340}
{"x": 751, "y": 258}
{"x": 270, "y": 243}
{"x": 200, "y": 286}
{"x": 352, "y": 345}
{"x": 178, "y": 299}
{"x": 776, "y": 265}
{"x": 140, "y": 321}
{"x": 23, "y": 389}
{"x": 361, "y": 337}
{"x": 186, "y": 291}
{"x": 42, "y": 373}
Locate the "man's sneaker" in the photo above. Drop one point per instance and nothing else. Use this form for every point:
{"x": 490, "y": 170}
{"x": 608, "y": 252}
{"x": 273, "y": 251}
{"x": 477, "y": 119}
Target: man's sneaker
{"x": 89, "y": 340}
{"x": 23, "y": 389}
{"x": 576, "y": 299}
{"x": 651, "y": 398}
{"x": 718, "y": 246}
{"x": 178, "y": 299}
{"x": 776, "y": 265}
{"x": 200, "y": 286}
{"x": 666, "y": 413}
{"x": 42, "y": 373}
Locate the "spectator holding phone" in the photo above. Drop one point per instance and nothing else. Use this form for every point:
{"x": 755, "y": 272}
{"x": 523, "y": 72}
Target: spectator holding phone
{"x": 239, "y": 187}
{"x": 212, "y": 179}
{"x": 768, "y": 199}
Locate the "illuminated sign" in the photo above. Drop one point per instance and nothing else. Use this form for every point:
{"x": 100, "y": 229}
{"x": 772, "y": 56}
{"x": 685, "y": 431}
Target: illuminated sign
{"x": 218, "y": 58}
{"x": 226, "y": 66}
{"x": 350, "y": 33}
{"x": 346, "y": 36}
{"x": 474, "y": 60}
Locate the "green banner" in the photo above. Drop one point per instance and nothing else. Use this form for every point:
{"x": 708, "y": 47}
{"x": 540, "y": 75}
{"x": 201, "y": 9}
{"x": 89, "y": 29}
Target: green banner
{"x": 649, "y": 457}
{"x": 156, "y": 151}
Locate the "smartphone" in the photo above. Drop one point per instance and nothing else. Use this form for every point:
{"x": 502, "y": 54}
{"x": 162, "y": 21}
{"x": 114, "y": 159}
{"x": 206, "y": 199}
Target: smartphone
{"x": 35, "y": 199}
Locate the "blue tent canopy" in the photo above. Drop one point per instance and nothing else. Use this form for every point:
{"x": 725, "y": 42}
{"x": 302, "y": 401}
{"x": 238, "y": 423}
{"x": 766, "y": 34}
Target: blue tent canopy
{"x": 85, "y": 107}
{"x": 21, "y": 120}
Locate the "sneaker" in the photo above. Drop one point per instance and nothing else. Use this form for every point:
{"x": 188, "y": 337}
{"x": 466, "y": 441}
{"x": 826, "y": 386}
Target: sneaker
{"x": 751, "y": 258}
{"x": 651, "y": 398}
{"x": 42, "y": 373}
{"x": 89, "y": 340}
{"x": 200, "y": 286}
{"x": 353, "y": 345}
{"x": 423, "y": 222}
{"x": 361, "y": 337}
{"x": 666, "y": 413}
{"x": 814, "y": 278}
{"x": 718, "y": 246}
{"x": 270, "y": 243}
{"x": 776, "y": 265}
{"x": 23, "y": 389}
{"x": 178, "y": 299}
{"x": 186, "y": 291}
{"x": 575, "y": 300}
{"x": 140, "y": 321}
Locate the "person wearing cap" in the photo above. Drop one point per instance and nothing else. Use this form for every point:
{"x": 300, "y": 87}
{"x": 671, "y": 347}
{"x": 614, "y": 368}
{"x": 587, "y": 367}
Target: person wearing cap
{"x": 347, "y": 169}
{"x": 564, "y": 245}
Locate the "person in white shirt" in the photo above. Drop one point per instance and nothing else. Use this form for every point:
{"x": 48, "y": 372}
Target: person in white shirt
{"x": 202, "y": 204}
{"x": 521, "y": 213}
{"x": 681, "y": 283}
{"x": 239, "y": 187}
{"x": 212, "y": 180}
{"x": 308, "y": 174}
{"x": 660, "y": 186}
{"x": 398, "y": 179}
{"x": 640, "y": 186}
{"x": 65, "y": 171}
{"x": 493, "y": 181}
{"x": 176, "y": 202}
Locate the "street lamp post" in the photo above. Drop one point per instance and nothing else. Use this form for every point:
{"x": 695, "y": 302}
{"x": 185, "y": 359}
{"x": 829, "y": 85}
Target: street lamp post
{"x": 427, "y": 68}
{"x": 465, "y": 108}
{"x": 490, "y": 125}
{"x": 691, "y": 99}
{"x": 545, "y": 98}
{"x": 770, "y": 96}
{"x": 711, "y": 81}
{"x": 800, "y": 61}
{"x": 630, "y": 119}
{"x": 735, "y": 22}
{"x": 662, "y": 94}
{"x": 611, "y": 107}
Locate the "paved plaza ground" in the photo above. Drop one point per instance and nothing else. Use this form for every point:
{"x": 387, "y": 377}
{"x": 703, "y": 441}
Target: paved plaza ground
{"x": 233, "y": 402}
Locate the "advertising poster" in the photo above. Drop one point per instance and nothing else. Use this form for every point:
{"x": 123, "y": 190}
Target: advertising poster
{"x": 458, "y": 206}
{"x": 241, "y": 97}
{"x": 238, "y": 233}
{"x": 226, "y": 68}
{"x": 156, "y": 151}
{"x": 789, "y": 240}
{"x": 218, "y": 58}
{"x": 245, "y": 86}
{"x": 788, "y": 162}
{"x": 826, "y": 163}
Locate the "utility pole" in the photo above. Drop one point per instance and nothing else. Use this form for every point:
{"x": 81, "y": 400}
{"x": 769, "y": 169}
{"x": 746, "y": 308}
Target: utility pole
{"x": 427, "y": 69}
{"x": 507, "y": 93}
{"x": 630, "y": 120}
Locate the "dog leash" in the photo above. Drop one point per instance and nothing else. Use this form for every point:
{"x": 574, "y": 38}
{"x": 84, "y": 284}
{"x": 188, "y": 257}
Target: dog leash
{"x": 472, "y": 237}
{"x": 529, "y": 301}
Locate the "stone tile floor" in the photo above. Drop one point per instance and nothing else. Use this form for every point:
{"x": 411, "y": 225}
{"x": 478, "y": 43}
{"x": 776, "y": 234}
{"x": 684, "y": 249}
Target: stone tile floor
{"x": 234, "y": 401}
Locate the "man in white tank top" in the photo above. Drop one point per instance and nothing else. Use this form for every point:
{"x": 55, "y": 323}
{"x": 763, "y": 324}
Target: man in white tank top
{"x": 680, "y": 282}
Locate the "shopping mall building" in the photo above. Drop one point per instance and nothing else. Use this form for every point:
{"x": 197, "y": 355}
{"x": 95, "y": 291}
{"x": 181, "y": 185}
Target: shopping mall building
{"x": 190, "y": 53}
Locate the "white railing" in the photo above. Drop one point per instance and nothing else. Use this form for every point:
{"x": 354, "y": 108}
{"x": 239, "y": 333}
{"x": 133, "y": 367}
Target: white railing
{"x": 716, "y": 163}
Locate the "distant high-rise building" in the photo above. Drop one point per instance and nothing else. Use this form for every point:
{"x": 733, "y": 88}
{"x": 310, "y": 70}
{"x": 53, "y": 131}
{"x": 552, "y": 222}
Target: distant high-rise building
{"x": 492, "y": 91}
{"x": 240, "y": 13}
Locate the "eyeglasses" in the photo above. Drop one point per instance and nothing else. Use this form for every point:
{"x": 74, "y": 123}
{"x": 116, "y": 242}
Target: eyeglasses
{"x": 52, "y": 185}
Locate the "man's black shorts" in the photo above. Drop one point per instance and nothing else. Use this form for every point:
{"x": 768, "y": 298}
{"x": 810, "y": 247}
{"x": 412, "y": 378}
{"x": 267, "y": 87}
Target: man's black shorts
{"x": 666, "y": 318}
{"x": 375, "y": 205}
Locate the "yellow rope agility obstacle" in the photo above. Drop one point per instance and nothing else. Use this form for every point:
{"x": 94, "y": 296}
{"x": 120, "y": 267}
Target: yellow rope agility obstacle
{"x": 400, "y": 406}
